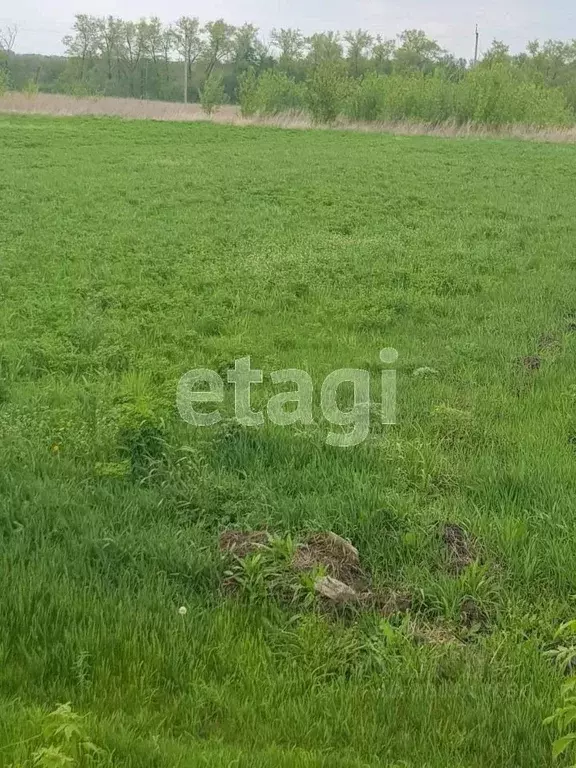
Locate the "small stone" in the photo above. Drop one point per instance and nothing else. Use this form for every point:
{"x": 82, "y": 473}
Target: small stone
{"x": 346, "y": 546}
{"x": 335, "y": 591}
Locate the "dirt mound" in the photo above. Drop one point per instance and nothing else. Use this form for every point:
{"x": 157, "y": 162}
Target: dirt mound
{"x": 332, "y": 561}
{"x": 337, "y": 556}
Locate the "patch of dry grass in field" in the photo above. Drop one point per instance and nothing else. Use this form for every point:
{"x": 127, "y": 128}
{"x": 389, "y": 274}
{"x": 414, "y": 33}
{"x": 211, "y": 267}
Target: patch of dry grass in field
{"x": 140, "y": 109}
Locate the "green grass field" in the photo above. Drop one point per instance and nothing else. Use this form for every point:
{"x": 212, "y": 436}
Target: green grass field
{"x": 131, "y": 253}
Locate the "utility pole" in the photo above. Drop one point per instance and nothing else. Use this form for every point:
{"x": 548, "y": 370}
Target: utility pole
{"x": 476, "y": 47}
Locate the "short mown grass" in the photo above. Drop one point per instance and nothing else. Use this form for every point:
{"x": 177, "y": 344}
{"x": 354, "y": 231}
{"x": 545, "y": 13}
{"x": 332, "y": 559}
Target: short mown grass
{"x": 131, "y": 253}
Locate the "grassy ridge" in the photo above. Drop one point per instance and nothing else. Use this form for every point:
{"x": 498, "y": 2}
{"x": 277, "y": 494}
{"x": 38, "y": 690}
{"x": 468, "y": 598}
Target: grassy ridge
{"x": 131, "y": 253}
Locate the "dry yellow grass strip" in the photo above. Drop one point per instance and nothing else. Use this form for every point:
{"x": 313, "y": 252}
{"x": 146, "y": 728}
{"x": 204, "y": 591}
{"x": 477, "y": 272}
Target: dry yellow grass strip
{"x": 136, "y": 109}
{"x": 64, "y": 106}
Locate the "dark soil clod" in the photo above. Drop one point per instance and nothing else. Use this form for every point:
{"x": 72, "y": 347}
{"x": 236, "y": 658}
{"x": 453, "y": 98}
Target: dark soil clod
{"x": 532, "y": 363}
{"x": 471, "y": 614}
{"x": 461, "y": 548}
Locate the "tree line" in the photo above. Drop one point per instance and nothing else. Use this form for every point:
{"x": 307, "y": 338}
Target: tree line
{"x": 362, "y": 74}
{"x": 148, "y": 59}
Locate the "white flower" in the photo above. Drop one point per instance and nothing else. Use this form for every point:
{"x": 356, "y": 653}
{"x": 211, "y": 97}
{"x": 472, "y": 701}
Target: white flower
{"x": 183, "y": 610}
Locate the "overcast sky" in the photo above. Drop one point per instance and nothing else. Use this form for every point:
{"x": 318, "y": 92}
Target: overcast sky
{"x": 43, "y": 24}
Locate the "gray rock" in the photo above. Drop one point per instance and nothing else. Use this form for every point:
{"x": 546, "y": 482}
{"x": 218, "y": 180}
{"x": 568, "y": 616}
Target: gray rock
{"x": 335, "y": 591}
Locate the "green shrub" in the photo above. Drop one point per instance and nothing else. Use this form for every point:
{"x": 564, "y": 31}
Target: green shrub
{"x": 248, "y": 93}
{"x": 547, "y": 106}
{"x": 489, "y": 96}
{"x": 437, "y": 98}
{"x": 212, "y": 94}
{"x": 30, "y": 88}
{"x": 419, "y": 97}
{"x": 277, "y": 93}
{"x": 80, "y": 90}
{"x": 367, "y": 98}
{"x": 3, "y": 82}
{"x": 495, "y": 96}
{"x": 63, "y": 741}
{"x": 500, "y": 95}
{"x": 328, "y": 91}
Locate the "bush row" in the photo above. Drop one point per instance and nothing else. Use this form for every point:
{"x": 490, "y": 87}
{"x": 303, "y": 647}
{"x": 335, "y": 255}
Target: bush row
{"x": 495, "y": 96}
